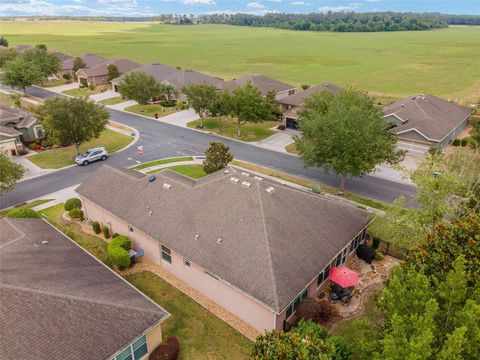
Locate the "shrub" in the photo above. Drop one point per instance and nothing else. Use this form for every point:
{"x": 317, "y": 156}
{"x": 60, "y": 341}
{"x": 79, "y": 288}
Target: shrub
{"x": 73, "y": 203}
{"x": 316, "y": 189}
{"x": 96, "y": 227}
{"x": 122, "y": 241}
{"x": 343, "y": 349}
{"x": 91, "y": 86}
{"x": 456, "y": 142}
{"x": 22, "y": 213}
{"x": 379, "y": 255}
{"x": 106, "y": 232}
{"x": 281, "y": 127}
{"x": 168, "y": 351}
{"x": 118, "y": 256}
{"x": 46, "y": 143}
{"x": 168, "y": 103}
{"x": 316, "y": 311}
{"x": 76, "y": 213}
{"x": 464, "y": 142}
{"x": 114, "y": 235}
{"x": 435, "y": 150}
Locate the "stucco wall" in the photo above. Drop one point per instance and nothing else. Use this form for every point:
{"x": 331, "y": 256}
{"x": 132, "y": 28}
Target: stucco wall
{"x": 154, "y": 338}
{"x": 233, "y": 300}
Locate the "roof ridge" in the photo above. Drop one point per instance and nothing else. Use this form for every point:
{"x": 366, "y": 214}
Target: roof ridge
{"x": 267, "y": 241}
{"x": 72, "y": 297}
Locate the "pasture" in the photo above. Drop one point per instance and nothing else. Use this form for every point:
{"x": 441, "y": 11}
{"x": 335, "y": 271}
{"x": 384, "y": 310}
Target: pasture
{"x": 444, "y": 62}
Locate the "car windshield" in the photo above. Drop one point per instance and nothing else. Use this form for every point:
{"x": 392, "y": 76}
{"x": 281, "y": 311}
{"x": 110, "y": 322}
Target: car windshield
{"x": 86, "y": 153}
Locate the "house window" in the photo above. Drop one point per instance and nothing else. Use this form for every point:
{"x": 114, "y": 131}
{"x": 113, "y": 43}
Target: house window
{"x": 323, "y": 275}
{"x": 38, "y": 130}
{"x": 186, "y": 262}
{"x": 294, "y": 304}
{"x": 166, "y": 254}
{"x": 135, "y": 351}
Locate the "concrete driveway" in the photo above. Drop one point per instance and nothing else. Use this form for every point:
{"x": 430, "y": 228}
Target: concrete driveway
{"x": 104, "y": 95}
{"x": 122, "y": 105}
{"x": 278, "y": 141}
{"x": 61, "y": 88}
{"x": 181, "y": 118}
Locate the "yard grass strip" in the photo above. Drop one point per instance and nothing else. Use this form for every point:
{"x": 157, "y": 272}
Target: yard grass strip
{"x": 161, "y": 162}
{"x": 151, "y": 110}
{"x": 112, "y": 101}
{"x": 26, "y": 206}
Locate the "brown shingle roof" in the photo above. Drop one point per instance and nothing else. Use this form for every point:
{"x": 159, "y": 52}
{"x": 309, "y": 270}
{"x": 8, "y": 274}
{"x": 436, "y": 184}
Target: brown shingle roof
{"x": 90, "y": 60}
{"x": 11, "y": 113}
{"x": 261, "y": 82}
{"x": 431, "y": 116}
{"x": 178, "y": 78}
{"x": 298, "y": 99}
{"x": 272, "y": 245}
{"x": 62, "y": 56}
{"x": 123, "y": 66}
{"x": 9, "y": 131}
{"x": 58, "y": 302}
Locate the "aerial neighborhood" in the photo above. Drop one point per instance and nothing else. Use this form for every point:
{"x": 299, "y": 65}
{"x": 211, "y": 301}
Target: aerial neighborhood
{"x": 161, "y": 204}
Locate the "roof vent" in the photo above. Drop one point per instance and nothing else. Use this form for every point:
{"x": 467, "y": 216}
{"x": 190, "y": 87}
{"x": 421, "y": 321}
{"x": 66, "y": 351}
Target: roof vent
{"x": 245, "y": 174}
{"x": 219, "y": 241}
{"x": 197, "y": 236}
{"x": 258, "y": 178}
{"x": 403, "y": 105}
{"x": 226, "y": 172}
{"x": 234, "y": 180}
{"x": 246, "y": 184}
{"x": 150, "y": 213}
{"x": 151, "y": 178}
{"x": 167, "y": 186}
{"x": 270, "y": 190}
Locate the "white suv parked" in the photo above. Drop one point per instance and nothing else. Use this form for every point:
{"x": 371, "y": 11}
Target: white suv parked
{"x": 92, "y": 155}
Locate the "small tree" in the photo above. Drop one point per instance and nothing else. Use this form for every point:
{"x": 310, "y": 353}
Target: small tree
{"x": 41, "y": 47}
{"x": 67, "y": 77}
{"x": 10, "y": 173}
{"x": 201, "y": 97}
{"x": 346, "y": 134}
{"x": 217, "y": 157}
{"x": 222, "y": 107}
{"x": 112, "y": 72}
{"x": 3, "y": 41}
{"x": 248, "y": 105}
{"x": 305, "y": 86}
{"x": 7, "y": 55}
{"x": 21, "y": 73}
{"x": 47, "y": 63}
{"x": 78, "y": 64}
{"x": 73, "y": 120}
{"x": 140, "y": 87}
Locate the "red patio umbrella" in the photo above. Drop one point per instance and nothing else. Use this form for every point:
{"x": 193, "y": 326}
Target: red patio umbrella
{"x": 343, "y": 276}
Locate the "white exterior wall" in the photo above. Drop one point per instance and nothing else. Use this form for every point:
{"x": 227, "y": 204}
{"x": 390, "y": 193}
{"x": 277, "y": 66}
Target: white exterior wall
{"x": 230, "y": 298}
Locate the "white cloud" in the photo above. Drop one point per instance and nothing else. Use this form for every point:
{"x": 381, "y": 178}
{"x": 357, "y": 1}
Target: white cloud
{"x": 372, "y": 1}
{"x": 198, "y": 2}
{"x": 277, "y": 1}
{"x": 340, "y": 8}
{"x": 298, "y": 3}
{"x": 255, "y": 5}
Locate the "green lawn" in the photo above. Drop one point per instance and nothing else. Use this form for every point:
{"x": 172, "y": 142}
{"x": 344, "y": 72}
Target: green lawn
{"x": 442, "y": 62}
{"x": 84, "y": 92}
{"x": 250, "y": 131}
{"x": 201, "y": 334}
{"x": 151, "y": 110}
{"x": 27, "y": 206}
{"x": 292, "y": 149}
{"x": 162, "y": 161}
{"x": 192, "y": 171}
{"x": 58, "y": 158}
{"x": 112, "y": 101}
{"x": 93, "y": 244}
{"x": 54, "y": 83}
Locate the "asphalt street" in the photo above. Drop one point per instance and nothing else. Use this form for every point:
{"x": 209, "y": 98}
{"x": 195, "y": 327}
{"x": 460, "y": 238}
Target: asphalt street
{"x": 161, "y": 140}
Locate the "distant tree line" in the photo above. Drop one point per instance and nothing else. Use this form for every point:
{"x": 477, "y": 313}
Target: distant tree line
{"x": 344, "y": 22}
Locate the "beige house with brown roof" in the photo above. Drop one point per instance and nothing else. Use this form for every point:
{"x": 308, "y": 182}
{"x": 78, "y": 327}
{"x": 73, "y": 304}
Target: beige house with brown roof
{"x": 229, "y": 235}
{"x": 90, "y": 60}
{"x": 425, "y": 120}
{"x": 98, "y": 74}
{"x": 263, "y": 83}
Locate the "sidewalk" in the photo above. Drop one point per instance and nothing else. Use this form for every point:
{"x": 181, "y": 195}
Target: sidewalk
{"x": 278, "y": 141}
{"x": 122, "y": 105}
{"x": 59, "y": 89}
{"x": 57, "y": 197}
{"x": 104, "y": 95}
{"x": 31, "y": 170}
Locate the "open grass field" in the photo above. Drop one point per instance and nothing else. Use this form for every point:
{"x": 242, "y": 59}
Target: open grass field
{"x": 443, "y": 62}
{"x": 58, "y": 158}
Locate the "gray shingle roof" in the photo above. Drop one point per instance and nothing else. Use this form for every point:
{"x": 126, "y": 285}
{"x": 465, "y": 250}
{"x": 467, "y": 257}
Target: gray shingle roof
{"x": 299, "y": 98}
{"x": 62, "y": 56}
{"x": 58, "y": 302}
{"x": 90, "y": 60}
{"x": 178, "y": 78}
{"x": 432, "y": 116}
{"x": 11, "y": 113}
{"x": 261, "y": 82}
{"x": 272, "y": 245}
{"x": 123, "y": 66}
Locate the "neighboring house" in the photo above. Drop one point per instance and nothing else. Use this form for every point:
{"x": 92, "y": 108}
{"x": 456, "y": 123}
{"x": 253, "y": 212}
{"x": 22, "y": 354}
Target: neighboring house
{"x": 90, "y": 60}
{"x": 62, "y": 56}
{"x": 176, "y": 77}
{"x": 253, "y": 246}
{"x": 60, "y": 302}
{"x": 423, "y": 121}
{"x": 98, "y": 75}
{"x": 290, "y": 105}
{"x": 22, "y": 47}
{"x": 262, "y": 83}
{"x": 18, "y": 126}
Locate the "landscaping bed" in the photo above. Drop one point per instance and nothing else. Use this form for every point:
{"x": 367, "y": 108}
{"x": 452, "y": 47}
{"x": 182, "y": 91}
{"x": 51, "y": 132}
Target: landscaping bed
{"x": 61, "y": 157}
{"x": 250, "y": 131}
{"x": 151, "y": 110}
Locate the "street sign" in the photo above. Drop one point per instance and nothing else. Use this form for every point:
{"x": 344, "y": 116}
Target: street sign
{"x": 140, "y": 150}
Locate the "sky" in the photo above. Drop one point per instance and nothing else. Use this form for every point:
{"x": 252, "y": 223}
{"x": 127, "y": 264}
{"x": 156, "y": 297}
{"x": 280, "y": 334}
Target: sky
{"x": 154, "y": 7}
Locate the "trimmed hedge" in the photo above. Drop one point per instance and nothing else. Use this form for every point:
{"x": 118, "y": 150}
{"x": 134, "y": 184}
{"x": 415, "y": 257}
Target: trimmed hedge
{"x": 73, "y": 203}
{"x": 22, "y": 213}
{"x": 96, "y": 227}
{"x": 122, "y": 241}
{"x": 118, "y": 256}
{"x": 76, "y": 213}
{"x": 168, "y": 351}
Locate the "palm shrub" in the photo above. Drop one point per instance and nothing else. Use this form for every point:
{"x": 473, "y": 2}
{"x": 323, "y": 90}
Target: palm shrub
{"x": 72, "y": 203}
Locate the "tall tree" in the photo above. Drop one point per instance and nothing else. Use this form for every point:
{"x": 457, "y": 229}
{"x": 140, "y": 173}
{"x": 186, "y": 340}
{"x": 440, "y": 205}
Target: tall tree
{"x": 47, "y": 63}
{"x": 112, "y": 72}
{"x": 222, "y": 107}
{"x": 3, "y": 41}
{"x": 248, "y": 105}
{"x": 7, "y": 55}
{"x": 346, "y": 134}
{"x": 10, "y": 173}
{"x": 201, "y": 98}
{"x": 217, "y": 157}
{"x": 78, "y": 64}
{"x": 140, "y": 87}
{"x": 73, "y": 120}
{"x": 21, "y": 73}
